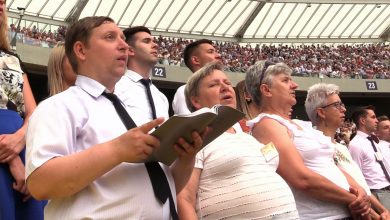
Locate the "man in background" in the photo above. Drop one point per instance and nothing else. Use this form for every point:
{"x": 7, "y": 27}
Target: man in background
{"x": 144, "y": 102}
{"x": 363, "y": 152}
{"x": 383, "y": 130}
{"x": 196, "y": 55}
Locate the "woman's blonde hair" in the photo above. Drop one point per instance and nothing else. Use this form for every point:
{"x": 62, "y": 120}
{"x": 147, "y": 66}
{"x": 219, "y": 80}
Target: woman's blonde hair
{"x": 55, "y": 72}
{"x": 4, "y": 41}
{"x": 243, "y": 99}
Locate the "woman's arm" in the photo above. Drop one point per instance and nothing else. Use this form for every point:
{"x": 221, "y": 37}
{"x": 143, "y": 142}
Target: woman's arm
{"x": 16, "y": 168}
{"x": 182, "y": 168}
{"x": 12, "y": 144}
{"x": 294, "y": 171}
{"x": 186, "y": 199}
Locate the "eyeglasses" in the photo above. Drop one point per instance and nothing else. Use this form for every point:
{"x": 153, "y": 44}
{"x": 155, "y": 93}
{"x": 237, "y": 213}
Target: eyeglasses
{"x": 266, "y": 65}
{"x": 339, "y": 105}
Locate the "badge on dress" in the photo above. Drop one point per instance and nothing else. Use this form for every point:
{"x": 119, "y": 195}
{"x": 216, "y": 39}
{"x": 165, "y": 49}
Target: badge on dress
{"x": 269, "y": 151}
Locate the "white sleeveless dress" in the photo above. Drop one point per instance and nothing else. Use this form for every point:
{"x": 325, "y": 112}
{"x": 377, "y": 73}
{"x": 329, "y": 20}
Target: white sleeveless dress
{"x": 317, "y": 152}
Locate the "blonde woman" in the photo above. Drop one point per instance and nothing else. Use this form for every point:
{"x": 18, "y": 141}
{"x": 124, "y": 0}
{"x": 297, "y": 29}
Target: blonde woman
{"x": 245, "y": 104}
{"x": 16, "y": 105}
{"x": 59, "y": 71}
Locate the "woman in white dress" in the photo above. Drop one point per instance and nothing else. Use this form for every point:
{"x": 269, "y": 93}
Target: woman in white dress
{"x": 321, "y": 190}
{"x": 234, "y": 176}
{"x": 327, "y": 112}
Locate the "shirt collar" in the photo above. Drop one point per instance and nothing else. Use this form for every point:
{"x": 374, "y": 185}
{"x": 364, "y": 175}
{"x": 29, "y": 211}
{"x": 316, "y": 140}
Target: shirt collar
{"x": 134, "y": 76}
{"x": 362, "y": 134}
{"x": 90, "y": 86}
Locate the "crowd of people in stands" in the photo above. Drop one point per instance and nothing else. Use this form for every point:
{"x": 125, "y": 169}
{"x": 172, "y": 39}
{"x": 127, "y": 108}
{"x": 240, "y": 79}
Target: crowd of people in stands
{"x": 364, "y": 61}
{"x": 34, "y": 36}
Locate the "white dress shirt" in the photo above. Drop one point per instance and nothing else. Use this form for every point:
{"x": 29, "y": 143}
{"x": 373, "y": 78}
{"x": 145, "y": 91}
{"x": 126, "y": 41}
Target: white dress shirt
{"x": 179, "y": 104}
{"x": 133, "y": 94}
{"x": 364, "y": 155}
{"x": 73, "y": 121}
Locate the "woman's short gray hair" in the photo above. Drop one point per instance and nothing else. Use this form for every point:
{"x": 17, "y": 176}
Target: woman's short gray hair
{"x": 192, "y": 86}
{"x": 317, "y": 96}
{"x": 254, "y": 76}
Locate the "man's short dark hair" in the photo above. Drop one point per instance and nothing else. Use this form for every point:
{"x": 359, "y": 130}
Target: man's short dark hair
{"x": 191, "y": 48}
{"x": 382, "y": 118}
{"x": 361, "y": 112}
{"x": 81, "y": 31}
{"x": 131, "y": 31}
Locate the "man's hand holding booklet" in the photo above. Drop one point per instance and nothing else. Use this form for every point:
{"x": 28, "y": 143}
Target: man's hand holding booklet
{"x": 219, "y": 118}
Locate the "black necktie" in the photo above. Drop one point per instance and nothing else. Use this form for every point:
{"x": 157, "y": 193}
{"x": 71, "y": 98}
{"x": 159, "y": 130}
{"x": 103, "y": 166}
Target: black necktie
{"x": 372, "y": 139}
{"x": 146, "y": 83}
{"x": 156, "y": 174}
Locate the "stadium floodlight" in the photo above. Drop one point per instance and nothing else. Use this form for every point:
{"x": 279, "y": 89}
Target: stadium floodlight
{"x": 21, "y": 10}
{"x": 21, "y": 14}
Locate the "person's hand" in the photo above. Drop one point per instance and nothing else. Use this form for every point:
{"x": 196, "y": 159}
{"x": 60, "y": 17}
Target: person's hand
{"x": 10, "y": 146}
{"x": 17, "y": 171}
{"x": 136, "y": 144}
{"x": 186, "y": 152}
{"x": 385, "y": 215}
{"x": 361, "y": 205}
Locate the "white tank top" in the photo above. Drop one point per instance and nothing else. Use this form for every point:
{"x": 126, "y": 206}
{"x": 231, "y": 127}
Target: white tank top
{"x": 317, "y": 152}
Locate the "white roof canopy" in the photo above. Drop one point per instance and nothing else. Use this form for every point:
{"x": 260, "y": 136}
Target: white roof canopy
{"x": 252, "y": 21}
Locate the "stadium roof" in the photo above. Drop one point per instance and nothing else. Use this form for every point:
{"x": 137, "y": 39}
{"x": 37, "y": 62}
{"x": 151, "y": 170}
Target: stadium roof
{"x": 253, "y": 21}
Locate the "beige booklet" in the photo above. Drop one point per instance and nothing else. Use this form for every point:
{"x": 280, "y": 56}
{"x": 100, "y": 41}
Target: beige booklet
{"x": 219, "y": 118}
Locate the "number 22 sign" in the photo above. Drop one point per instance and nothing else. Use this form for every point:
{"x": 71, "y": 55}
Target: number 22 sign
{"x": 371, "y": 85}
{"x": 159, "y": 72}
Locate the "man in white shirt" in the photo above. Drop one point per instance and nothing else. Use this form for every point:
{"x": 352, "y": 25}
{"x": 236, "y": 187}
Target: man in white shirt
{"x": 362, "y": 151}
{"x": 144, "y": 106}
{"x": 196, "y": 55}
{"x": 142, "y": 57}
{"x": 80, "y": 155}
{"x": 383, "y": 130}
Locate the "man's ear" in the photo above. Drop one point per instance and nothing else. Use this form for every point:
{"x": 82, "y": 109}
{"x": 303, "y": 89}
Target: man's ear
{"x": 131, "y": 51}
{"x": 195, "y": 102}
{"x": 79, "y": 50}
{"x": 362, "y": 121}
{"x": 195, "y": 60}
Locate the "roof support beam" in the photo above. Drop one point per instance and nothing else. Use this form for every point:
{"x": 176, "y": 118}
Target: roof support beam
{"x": 74, "y": 15}
{"x": 377, "y": 16}
{"x": 327, "y": 1}
{"x": 331, "y": 20}
{"x": 240, "y": 33}
{"x": 268, "y": 40}
{"x": 312, "y": 40}
{"x": 227, "y": 15}
{"x": 136, "y": 14}
{"x": 215, "y": 14}
{"x": 37, "y": 19}
{"x": 385, "y": 36}
{"x": 273, "y": 22}
{"x": 288, "y": 17}
{"x": 235, "y": 20}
